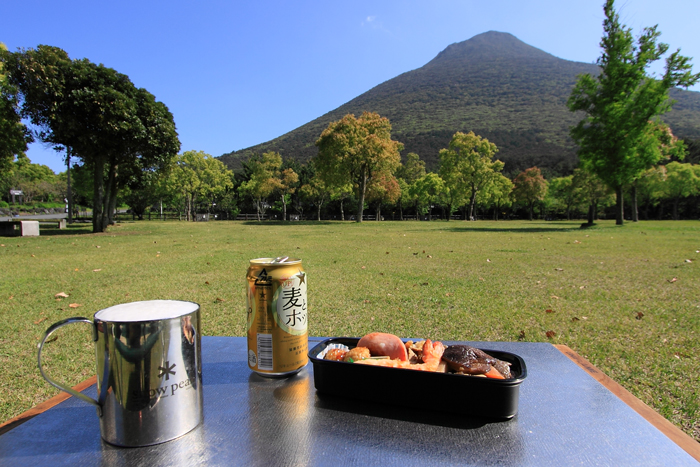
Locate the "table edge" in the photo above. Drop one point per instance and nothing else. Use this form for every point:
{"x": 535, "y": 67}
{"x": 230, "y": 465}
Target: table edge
{"x": 675, "y": 434}
{"x": 44, "y": 406}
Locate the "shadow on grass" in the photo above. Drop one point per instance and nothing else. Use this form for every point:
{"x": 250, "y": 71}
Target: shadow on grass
{"x": 535, "y": 227}
{"x": 72, "y": 229}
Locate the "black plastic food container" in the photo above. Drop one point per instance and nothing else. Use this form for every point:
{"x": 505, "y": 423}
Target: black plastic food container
{"x": 460, "y": 394}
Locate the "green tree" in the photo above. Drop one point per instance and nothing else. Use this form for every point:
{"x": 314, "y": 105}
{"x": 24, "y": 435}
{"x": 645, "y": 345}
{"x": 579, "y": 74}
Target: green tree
{"x": 682, "y": 180}
{"x": 650, "y": 187}
{"x": 95, "y": 113}
{"x": 467, "y": 167}
{"x": 407, "y": 174}
{"x": 353, "y": 150}
{"x": 14, "y": 136}
{"x": 286, "y": 184}
{"x": 426, "y": 191}
{"x": 497, "y": 195}
{"x": 564, "y": 192}
{"x": 617, "y": 140}
{"x": 316, "y": 193}
{"x": 594, "y": 192}
{"x": 199, "y": 179}
{"x": 262, "y": 180}
{"x": 529, "y": 187}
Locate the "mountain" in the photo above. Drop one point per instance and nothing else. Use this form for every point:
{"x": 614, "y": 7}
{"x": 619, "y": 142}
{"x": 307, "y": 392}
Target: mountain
{"x": 493, "y": 84}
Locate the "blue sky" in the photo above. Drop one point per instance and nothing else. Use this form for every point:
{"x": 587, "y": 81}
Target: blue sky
{"x": 238, "y": 73}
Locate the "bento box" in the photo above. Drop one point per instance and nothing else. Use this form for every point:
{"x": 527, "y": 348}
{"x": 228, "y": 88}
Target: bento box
{"x": 448, "y": 392}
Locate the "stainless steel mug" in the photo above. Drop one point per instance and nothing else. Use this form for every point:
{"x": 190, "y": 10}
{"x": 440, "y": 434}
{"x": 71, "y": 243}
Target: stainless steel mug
{"x": 149, "y": 370}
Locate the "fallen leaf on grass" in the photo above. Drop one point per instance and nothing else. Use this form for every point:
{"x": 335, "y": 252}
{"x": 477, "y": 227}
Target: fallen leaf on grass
{"x": 429, "y": 256}
{"x": 363, "y": 267}
{"x": 40, "y": 320}
{"x": 74, "y": 305}
{"x": 687, "y": 260}
{"x": 220, "y": 299}
{"x": 554, "y": 297}
{"x": 576, "y": 241}
{"x": 425, "y": 283}
{"x": 558, "y": 269}
{"x": 574, "y": 319}
{"x": 387, "y": 252}
{"x": 33, "y": 256}
{"x": 61, "y": 295}
{"x": 488, "y": 260}
{"x": 206, "y": 282}
{"x": 549, "y": 310}
{"x": 550, "y": 334}
{"x": 521, "y": 336}
{"x": 366, "y": 301}
{"x": 673, "y": 280}
{"x": 640, "y": 315}
{"x": 11, "y": 297}
{"x": 98, "y": 246}
{"x": 96, "y": 270}
{"x": 53, "y": 339}
{"x": 448, "y": 294}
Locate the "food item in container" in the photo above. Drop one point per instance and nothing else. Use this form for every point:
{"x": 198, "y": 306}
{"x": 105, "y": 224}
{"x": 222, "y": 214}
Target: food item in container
{"x": 423, "y": 355}
{"x": 381, "y": 343}
{"x": 432, "y": 355}
{"x": 472, "y": 361}
{"x": 336, "y": 355}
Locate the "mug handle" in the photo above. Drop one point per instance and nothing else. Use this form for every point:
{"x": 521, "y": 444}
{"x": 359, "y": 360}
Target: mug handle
{"x": 61, "y": 386}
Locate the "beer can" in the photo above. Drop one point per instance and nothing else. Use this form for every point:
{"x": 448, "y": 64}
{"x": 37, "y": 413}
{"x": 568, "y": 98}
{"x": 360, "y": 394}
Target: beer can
{"x": 277, "y": 324}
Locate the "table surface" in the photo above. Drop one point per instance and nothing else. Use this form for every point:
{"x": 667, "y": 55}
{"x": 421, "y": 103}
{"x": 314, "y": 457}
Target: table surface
{"x": 565, "y": 417}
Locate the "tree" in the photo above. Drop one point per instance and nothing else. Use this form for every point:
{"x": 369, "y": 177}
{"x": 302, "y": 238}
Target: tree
{"x": 14, "y": 136}
{"x": 616, "y": 138}
{"x": 262, "y": 182}
{"x": 467, "y": 166}
{"x": 650, "y": 187}
{"x": 529, "y": 186}
{"x": 286, "y": 185}
{"x": 354, "y": 150}
{"x": 497, "y": 195}
{"x": 407, "y": 174}
{"x": 97, "y": 114}
{"x": 593, "y": 191}
{"x": 682, "y": 180}
{"x": 426, "y": 191}
{"x": 384, "y": 189}
{"x": 564, "y": 191}
{"x": 199, "y": 179}
{"x": 316, "y": 193}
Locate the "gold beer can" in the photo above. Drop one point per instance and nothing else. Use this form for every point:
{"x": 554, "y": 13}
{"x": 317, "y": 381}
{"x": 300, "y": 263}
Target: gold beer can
{"x": 277, "y": 323}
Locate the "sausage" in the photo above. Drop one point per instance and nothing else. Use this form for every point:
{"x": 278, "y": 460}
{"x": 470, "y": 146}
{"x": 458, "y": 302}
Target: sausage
{"x": 381, "y": 343}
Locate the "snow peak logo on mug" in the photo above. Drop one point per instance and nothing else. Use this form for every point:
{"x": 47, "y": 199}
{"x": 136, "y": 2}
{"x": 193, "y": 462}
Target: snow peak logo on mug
{"x": 166, "y": 390}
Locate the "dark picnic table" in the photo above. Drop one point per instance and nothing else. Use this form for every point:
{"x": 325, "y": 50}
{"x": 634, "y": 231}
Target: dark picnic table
{"x": 566, "y": 417}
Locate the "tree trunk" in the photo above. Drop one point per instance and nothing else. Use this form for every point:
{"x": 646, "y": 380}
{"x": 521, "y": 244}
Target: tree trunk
{"x": 69, "y": 196}
{"x": 361, "y": 204}
{"x": 676, "y": 202}
{"x": 635, "y": 212}
{"x": 98, "y": 195}
{"x": 619, "y": 207}
{"x": 284, "y": 208}
{"x": 379, "y": 211}
{"x": 591, "y": 212}
{"x": 472, "y": 201}
{"x": 111, "y": 204}
{"x": 318, "y": 212}
{"x": 342, "y": 213}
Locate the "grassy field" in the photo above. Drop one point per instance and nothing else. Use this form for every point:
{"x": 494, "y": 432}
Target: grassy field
{"x": 626, "y": 298}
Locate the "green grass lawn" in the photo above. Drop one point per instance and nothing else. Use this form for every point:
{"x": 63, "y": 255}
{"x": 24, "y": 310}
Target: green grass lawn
{"x": 626, "y": 298}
